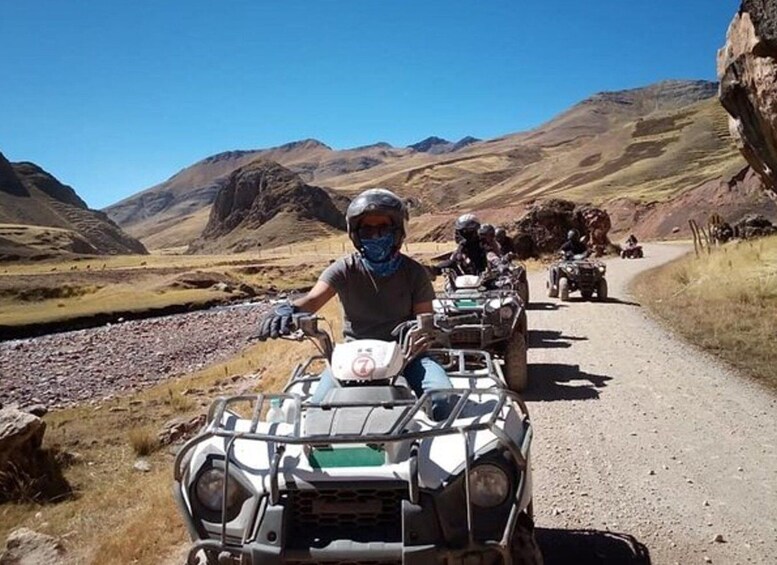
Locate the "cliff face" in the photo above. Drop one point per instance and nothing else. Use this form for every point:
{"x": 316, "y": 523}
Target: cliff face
{"x": 747, "y": 67}
{"x": 253, "y": 197}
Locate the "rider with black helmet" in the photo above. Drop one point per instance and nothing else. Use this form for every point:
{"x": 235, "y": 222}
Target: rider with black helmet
{"x": 379, "y": 287}
{"x": 487, "y": 235}
{"x": 573, "y": 246}
{"x": 470, "y": 257}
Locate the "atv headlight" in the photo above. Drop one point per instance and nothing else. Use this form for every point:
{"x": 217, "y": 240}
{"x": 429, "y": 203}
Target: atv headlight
{"x": 493, "y": 305}
{"x": 210, "y": 490}
{"x": 506, "y": 312}
{"x": 489, "y": 485}
{"x": 602, "y": 268}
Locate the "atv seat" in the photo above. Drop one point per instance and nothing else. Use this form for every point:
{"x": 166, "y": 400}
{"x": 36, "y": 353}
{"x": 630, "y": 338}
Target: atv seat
{"x": 378, "y": 415}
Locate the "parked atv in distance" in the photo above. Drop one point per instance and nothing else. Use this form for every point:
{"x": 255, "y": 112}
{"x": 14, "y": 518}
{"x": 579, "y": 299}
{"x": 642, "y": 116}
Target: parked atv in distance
{"x": 366, "y": 476}
{"x": 577, "y": 273}
{"x": 486, "y": 312}
{"x": 632, "y": 252}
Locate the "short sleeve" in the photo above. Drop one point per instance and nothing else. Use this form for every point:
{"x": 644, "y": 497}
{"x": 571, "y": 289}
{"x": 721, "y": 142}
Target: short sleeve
{"x": 334, "y": 275}
{"x": 422, "y": 285}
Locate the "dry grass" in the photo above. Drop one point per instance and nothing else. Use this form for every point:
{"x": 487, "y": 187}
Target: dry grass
{"x": 725, "y": 302}
{"x": 143, "y": 441}
{"x": 115, "y": 506}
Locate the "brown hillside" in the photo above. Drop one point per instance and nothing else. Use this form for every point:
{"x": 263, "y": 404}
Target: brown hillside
{"x": 263, "y": 203}
{"x": 648, "y": 144}
{"x": 39, "y": 216}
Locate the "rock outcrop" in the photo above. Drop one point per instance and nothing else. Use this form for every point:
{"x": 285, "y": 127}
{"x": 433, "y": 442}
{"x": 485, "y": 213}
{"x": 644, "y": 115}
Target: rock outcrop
{"x": 27, "y": 472}
{"x": 754, "y": 225}
{"x": 32, "y": 197}
{"x": 543, "y": 229}
{"x": 258, "y": 193}
{"x": 747, "y": 68}
{"x": 27, "y": 547}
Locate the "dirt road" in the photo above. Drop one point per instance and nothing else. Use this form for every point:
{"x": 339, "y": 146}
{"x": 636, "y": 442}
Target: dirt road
{"x": 646, "y": 449}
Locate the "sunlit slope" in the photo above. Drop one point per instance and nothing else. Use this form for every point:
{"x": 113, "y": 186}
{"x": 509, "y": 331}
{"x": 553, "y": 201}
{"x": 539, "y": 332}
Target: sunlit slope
{"x": 650, "y": 143}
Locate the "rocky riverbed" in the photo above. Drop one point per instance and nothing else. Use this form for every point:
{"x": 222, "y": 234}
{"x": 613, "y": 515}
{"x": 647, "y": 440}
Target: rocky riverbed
{"x": 63, "y": 369}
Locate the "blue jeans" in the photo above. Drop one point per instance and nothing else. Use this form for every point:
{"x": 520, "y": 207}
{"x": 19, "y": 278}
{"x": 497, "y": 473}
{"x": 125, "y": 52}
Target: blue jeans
{"x": 422, "y": 374}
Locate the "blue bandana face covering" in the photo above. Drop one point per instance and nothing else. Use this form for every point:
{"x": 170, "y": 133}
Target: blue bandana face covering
{"x": 376, "y": 255}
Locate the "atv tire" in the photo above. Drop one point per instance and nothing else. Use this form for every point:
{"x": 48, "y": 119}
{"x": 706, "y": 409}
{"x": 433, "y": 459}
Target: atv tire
{"x": 523, "y": 546}
{"x": 601, "y": 290}
{"x": 552, "y": 290}
{"x": 523, "y": 292}
{"x": 515, "y": 366}
{"x": 563, "y": 289}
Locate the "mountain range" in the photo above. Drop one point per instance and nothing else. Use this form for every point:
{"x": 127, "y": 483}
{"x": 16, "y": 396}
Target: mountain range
{"x": 644, "y": 146}
{"x": 661, "y": 151}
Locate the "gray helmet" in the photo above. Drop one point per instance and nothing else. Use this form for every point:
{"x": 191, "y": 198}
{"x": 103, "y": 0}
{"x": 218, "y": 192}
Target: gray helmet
{"x": 486, "y": 230}
{"x": 573, "y": 234}
{"x": 500, "y": 233}
{"x": 377, "y": 201}
{"x": 466, "y": 227}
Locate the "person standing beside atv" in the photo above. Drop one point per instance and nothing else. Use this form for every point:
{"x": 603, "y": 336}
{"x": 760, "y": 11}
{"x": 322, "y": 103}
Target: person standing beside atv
{"x": 378, "y": 286}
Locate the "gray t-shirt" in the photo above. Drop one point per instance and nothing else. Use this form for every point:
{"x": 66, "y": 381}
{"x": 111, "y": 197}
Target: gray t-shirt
{"x": 373, "y": 306}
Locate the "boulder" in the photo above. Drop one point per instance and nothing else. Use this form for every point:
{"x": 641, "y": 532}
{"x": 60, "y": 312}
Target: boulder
{"x": 27, "y": 472}
{"x": 596, "y": 223}
{"x": 747, "y": 68}
{"x": 180, "y": 428}
{"x": 543, "y": 229}
{"x": 754, "y": 225}
{"x": 27, "y": 547}
{"x": 21, "y": 435}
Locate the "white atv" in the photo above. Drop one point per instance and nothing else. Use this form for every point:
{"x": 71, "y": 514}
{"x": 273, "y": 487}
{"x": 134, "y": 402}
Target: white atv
{"x": 486, "y": 312}
{"x": 366, "y": 476}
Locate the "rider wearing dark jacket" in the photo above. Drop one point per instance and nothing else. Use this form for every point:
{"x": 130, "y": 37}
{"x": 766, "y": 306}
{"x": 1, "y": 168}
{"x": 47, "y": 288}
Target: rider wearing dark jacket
{"x": 469, "y": 257}
{"x": 573, "y": 246}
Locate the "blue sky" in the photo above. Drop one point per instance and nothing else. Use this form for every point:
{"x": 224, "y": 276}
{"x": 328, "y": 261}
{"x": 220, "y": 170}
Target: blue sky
{"x": 113, "y": 97}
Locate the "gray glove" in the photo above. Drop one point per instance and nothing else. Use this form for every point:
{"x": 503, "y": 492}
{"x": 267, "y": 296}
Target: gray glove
{"x": 277, "y": 322}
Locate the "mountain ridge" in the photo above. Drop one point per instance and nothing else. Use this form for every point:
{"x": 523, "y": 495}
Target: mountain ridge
{"x": 608, "y": 145}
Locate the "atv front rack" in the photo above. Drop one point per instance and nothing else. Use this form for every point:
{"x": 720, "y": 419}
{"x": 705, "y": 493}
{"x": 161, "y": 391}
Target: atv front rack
{"x": 398, "y": 432}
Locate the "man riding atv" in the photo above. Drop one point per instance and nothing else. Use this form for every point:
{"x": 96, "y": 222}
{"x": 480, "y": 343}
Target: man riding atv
{"x": 572, "y": 248}
{"x": 487, "y": 235}
{"x": 469, "y": 258}
{"x": 378, "y": 286}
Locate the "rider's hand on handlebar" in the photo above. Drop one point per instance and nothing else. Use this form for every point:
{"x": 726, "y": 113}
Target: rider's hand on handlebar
{"x": 277, "y": 322}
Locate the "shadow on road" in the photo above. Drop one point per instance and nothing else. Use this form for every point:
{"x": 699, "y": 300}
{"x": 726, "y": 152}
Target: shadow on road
{"x": 545, "y": 306}
{"x": 552, "y": 339}
{"x": 550, "y": 381}
{"x": 608, "y": 300}
{"x": 590, "y": 547}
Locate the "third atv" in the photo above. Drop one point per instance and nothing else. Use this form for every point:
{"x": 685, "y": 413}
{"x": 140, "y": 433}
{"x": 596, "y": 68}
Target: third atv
{"x": 577, "y": 273}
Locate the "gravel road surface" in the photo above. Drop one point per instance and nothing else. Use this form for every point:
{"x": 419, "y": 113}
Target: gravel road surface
{"x": 644, "y": 444}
